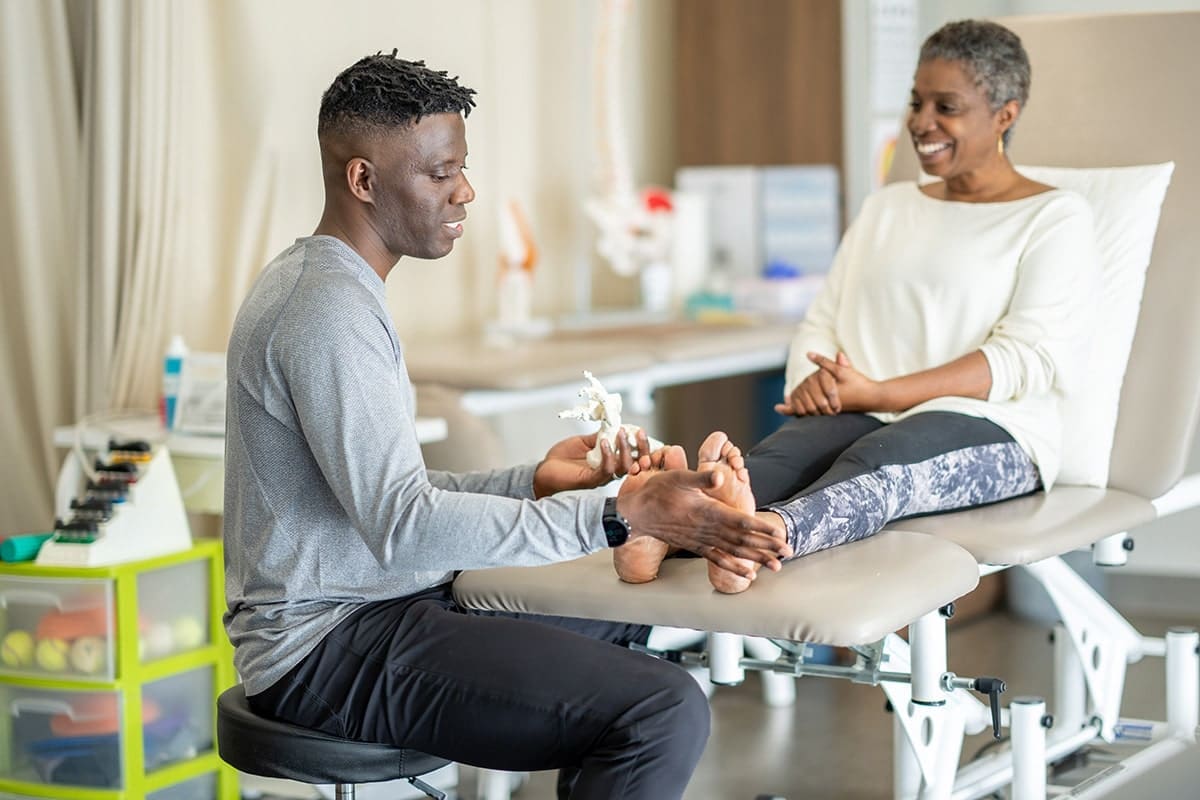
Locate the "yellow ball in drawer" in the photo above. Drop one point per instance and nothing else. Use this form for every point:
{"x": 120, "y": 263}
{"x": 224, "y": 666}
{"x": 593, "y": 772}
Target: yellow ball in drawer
{"x": 52, "y": 654}
{"x": 16, "y": 651}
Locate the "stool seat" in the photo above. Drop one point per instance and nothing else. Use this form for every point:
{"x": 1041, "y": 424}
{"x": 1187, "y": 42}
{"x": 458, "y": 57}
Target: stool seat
{"x": 273, "y": 749}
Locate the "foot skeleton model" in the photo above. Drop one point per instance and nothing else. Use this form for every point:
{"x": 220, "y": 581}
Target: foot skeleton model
{"x": 605, "y": 408}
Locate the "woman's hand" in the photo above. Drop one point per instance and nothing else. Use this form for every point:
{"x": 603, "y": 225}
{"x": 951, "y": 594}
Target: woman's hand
{"x": 855, "y": 391}
{"x": 816, "y": 394}
{"x": 837, "y": 386}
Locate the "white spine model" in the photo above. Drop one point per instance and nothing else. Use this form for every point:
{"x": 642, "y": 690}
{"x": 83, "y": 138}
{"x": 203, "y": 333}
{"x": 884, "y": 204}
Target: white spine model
{"x": 603, "y": 407}
{"x": 633, "y": 232}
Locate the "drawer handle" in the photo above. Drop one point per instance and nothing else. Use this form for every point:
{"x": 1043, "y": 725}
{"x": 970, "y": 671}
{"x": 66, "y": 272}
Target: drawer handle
{"x": 29, "y": 597}
{"x": 44, "y": 598}
{"x": 41, "y": 705}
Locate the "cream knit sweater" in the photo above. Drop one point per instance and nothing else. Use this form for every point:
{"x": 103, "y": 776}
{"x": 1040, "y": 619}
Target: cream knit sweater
{"x": 918, "y": 282}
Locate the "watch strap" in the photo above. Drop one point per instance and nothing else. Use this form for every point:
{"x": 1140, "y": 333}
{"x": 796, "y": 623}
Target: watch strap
{"x": 616, "y": 527}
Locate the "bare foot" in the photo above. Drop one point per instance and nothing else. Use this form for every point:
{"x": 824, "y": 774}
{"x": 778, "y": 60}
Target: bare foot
{"x": 717, "y": 453}
{"x": 638, "y": 560}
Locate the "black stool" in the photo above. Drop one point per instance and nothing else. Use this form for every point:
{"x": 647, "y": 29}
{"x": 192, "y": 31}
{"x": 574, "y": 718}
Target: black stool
{"x": 272, "y": 749}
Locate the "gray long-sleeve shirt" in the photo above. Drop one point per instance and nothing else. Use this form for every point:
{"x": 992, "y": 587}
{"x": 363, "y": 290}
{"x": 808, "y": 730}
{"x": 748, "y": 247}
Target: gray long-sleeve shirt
{"x": 328, "y": 504}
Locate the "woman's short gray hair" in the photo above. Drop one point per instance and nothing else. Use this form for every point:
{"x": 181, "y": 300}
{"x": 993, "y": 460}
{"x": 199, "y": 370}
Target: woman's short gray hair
{"x": 993, "y": 55}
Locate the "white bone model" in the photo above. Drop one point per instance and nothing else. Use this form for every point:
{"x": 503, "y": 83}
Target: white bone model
{"x": 605, "y": 408}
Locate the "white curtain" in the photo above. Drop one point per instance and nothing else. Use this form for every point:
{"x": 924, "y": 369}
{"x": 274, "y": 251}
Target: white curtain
{"x": 106, "y": 183}
{"x": 39, "y": 213}
{"x": 177, "y": 195}
{"x": 140, "y": 161}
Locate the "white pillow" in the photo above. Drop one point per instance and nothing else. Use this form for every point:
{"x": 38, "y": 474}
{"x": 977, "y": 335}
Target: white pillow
{"x": 1126, "y": 203}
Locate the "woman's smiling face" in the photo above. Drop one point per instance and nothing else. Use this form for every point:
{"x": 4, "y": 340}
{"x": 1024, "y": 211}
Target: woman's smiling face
{"x": 953, "y": 128}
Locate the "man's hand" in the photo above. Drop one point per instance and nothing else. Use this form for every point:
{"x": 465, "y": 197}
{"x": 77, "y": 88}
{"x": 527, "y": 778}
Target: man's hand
{"x": 855, "y": 391}
{"x": 565, "y": 466}
{"x": 671, "y": 506}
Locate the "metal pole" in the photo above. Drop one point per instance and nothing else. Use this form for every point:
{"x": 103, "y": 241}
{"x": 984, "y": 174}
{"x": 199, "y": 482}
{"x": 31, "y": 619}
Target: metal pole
{"x": 1029, "y": 748}
{"x": 906, "y": 770}
{"x": 1070, "y": 685}
{"x": 724, "y": 659}
{"x": 1183, "y": 681}
{"x": 927, "y": 642}
{"x": 779, "y": 690}
{"x": 1110, "y": 551}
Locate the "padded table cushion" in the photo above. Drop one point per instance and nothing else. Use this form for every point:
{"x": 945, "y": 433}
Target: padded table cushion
{"x": 261, "y": 746}
{"x": 853, "y": 594}
{"x": 1039, "y": 526}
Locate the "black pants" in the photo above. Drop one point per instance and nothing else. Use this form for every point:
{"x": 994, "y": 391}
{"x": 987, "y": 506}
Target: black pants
{"x": 503, "y": 691}
{"x": 837, "y": 479}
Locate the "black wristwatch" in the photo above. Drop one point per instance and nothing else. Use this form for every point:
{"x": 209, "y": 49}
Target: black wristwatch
{"x": 616, "y": 527}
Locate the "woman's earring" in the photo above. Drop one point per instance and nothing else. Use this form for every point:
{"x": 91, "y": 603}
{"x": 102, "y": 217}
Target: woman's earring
{"x": 1000, "y": 145}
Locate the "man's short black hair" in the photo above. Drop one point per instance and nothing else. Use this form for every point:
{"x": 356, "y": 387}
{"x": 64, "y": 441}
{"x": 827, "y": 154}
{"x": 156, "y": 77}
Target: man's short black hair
{"x": 384, "y": 91}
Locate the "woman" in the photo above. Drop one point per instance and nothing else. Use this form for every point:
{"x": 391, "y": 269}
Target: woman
{"x": 927, "y": 376}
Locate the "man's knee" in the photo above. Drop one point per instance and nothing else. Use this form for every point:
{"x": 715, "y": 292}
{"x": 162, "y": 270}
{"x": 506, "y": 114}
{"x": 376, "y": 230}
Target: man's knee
{"x": 684, "y": 707}
{"x": 694, "y": 704}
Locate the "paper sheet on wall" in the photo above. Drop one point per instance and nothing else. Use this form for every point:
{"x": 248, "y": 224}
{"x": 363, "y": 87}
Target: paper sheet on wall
{"x": 893, "y": 49}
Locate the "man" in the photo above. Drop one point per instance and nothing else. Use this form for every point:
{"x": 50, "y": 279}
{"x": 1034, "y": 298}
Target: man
{"x": 340, "y": 545}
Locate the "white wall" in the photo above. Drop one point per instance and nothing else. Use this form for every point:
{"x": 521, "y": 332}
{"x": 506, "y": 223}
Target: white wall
{"x": 530, "y": 137}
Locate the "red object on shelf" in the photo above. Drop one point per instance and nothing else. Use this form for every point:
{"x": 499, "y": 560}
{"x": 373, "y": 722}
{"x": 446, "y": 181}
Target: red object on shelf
{"x": 657, "y": 199}
{"x": 69, "y": 625}
{"x": 97, "y": 714}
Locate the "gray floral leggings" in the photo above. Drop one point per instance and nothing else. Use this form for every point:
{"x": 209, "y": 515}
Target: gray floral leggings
{"x": 838, "y": 479}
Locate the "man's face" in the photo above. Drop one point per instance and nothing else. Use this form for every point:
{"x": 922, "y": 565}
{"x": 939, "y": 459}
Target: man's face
{"x": 422, "y": 190}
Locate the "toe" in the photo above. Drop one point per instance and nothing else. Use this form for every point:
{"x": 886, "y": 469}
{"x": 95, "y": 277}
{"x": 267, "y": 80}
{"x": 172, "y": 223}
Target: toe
{"x": 713, "y": 446}
{"x": 675, "y": 457}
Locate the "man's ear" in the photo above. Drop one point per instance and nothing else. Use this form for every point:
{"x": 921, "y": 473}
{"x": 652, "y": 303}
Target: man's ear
{"x": 360, "y": 179}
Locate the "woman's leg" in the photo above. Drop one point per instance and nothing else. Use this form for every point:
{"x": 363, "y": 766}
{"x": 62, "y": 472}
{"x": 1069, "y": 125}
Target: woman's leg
{"x": 926, "y": 463}
{"x": 792, "y": 457}
{"x": 801, "y": 451}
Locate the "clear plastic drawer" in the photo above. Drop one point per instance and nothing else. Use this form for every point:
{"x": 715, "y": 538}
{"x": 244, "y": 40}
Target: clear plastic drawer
{"x": 173, "y": 608}
{"x": 57, "y": 628}
{"x": 180, "y": 716}
{"x": 74, "y": 738}
{"x": 62, "y": 737}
